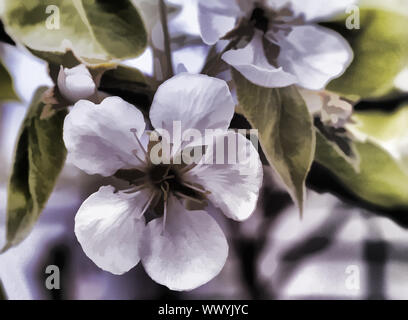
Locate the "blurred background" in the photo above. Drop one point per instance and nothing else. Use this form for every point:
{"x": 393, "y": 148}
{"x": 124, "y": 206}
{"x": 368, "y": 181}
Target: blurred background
{"x": 343, "y": 248}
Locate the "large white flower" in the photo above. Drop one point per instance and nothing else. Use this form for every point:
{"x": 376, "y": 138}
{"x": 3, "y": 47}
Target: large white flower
{"x": 178, "y": 247}
{"x": 274, "y": 43}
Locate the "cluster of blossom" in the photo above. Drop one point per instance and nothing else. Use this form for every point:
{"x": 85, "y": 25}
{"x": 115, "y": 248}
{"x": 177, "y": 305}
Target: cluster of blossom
{"x": 272, "y": 43}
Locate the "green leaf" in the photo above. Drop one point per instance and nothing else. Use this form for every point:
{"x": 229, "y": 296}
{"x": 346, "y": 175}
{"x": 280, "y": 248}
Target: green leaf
{"x": 125, "y": 78}
{"x": 380, "y": 53}
{"x": 337, "y": 143}
{"x": 96, "y": 30}
{"x": 383, "y": 176}
{"x": 388, "y": 129}
{"x": 6, "y": 85}
{"x": 39, "y": 158}
{"x": 285, "y": 128}
{"x": 130, "y": 84}
{"x": 380, "y": 181}
{"x": 328, "y": 151}
{"x": 400, "y": 6}
{"x": 382, "y": 126}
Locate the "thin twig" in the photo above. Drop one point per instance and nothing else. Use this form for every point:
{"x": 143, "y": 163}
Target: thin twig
{"x": 167, "y": 45}
{"x": 213, "y": 64}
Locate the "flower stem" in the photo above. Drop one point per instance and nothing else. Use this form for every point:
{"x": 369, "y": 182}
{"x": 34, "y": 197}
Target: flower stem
{"x": 214, "y": 64}
{"x": 167, "y": 47}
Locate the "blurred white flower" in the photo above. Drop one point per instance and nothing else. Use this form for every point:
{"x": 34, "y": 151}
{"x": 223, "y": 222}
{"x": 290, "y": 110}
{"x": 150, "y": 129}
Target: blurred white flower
{"x": 179, "y": 248}
{"x": 336, "y": 112}
{"x": 401, "y": 81}
{"x": 76, "y": 83}
{"x": 333, "y": 110}
{"x": 273, "y": 42}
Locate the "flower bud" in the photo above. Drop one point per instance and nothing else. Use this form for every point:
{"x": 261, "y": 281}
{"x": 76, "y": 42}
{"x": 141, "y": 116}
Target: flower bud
{"x": 76, "y": 83}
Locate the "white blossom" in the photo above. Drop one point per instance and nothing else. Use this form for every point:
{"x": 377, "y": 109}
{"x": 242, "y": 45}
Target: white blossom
{"x": 276, "y": 43}
{"x": 76, "y": 83}
{"x": 333, "y": 110}
{"x": 179, "y": 248}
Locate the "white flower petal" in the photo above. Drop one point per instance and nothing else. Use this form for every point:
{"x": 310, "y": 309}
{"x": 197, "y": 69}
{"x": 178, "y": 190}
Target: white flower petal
{"x": 314, "y": 9}
{"x": 196, "y": 101}
{"x": 233, "y": 178}
{"x": 316, "y": 55}
{"x": 190, "y": 252}
{"x": 108, "y": 228}
{"x": 76, "y": 83}
{"x": 215, "y": 22}
{"x": 253, "y": 65}
{"x": 98, "y": 137}
{"x": 224, "y": 7}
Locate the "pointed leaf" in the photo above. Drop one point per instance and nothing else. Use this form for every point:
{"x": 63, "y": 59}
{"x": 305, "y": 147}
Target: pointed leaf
{"x": 39, "y": 157}
{"x": 285, "y": 128}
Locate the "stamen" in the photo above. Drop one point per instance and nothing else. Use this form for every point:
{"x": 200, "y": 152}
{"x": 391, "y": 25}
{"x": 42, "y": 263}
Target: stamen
{"x": 165, "y": 197}
{"x": 168, "y": 177}
{"x": 182, "y": 195}
{"x": 194, "y": 187}
{"x": 165, "y": 191}
{"x": 167, "y": 171}
{"x": 147, "y": 205}
{"x": 134, "y": 131}
{"x": 163, "y": 176}
{"x": 134, "y": 189}
{"x": 134, "y": 152}
{"x": 164, "y": 215}
{"x": 187, "y": 168}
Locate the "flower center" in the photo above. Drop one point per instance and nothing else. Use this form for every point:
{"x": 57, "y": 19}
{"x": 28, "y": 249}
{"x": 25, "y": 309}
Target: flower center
{"x": 277, "y": 21}
{"x": 162, "y": 180}
{"x": 168, "y": 178}
{"x": 259, "y": 19}
{"x": 164, "y": 177}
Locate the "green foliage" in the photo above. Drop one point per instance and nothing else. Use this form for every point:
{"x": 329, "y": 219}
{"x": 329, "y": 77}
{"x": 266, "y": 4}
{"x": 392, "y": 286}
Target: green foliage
{"x": 81, "y": 25}
{"x": 383, "y": 177}
{"x": 6, "y": 85}
{"x": 380, "y": 181}
{"x": 39, "y": 157}
{"x": 380, "y": 53}
{"x": 383, "y": 126}
{"x": 125, "y": 78}
{"x": 285, "y": 128}
{"x": 338, "y": 145}
{"x": 130, "y": 84}
{"x": 388, "y": 129}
